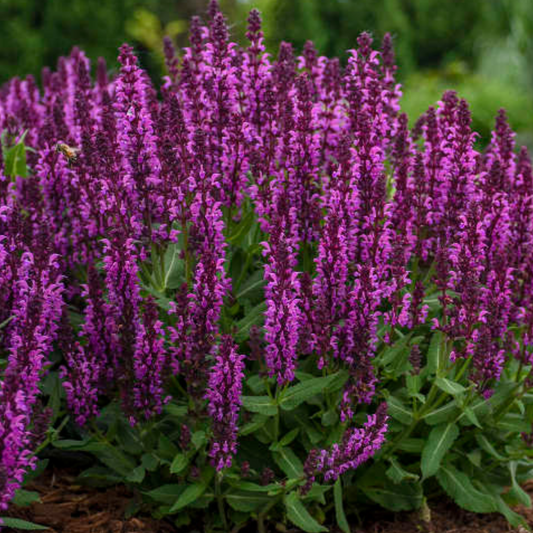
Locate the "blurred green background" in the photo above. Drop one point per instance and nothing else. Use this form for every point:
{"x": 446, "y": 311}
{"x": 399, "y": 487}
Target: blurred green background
{"x": 481, "y": 48}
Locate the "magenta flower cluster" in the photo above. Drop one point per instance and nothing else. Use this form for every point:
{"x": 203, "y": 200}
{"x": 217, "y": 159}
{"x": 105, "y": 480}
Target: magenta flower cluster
{"x": 31, "y": 288}
{"x": 350, "y": 204}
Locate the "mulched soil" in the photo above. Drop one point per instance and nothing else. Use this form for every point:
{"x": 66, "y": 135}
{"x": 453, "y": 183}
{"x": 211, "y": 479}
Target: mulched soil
{"x": 69, "y": 508}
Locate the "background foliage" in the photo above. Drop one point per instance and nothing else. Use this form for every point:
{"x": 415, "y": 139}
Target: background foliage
{"x": 479, "y": 48}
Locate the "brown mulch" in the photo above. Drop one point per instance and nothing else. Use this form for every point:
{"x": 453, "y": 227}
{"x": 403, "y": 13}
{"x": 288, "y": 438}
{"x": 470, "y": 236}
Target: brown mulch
{"x": 69, "y": 508}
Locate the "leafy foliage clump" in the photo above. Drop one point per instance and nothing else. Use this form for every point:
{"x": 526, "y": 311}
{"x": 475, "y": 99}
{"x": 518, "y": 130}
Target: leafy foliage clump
{"x": 260, "y": 294}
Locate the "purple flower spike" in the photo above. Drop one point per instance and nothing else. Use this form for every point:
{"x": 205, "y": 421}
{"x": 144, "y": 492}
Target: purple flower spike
{"x": 224, "y": 397}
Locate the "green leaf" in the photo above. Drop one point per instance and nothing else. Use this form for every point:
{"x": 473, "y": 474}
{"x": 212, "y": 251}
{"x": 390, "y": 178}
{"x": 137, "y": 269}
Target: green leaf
{"x": 397, "y": 349}
{"x": 411, "y": 445}
{"x": 166, "y": 448}
{"x": 475, "y": 457}
{"x": 256, "y": 384}
{"x": 289, "y": 462}
{"x": 39, "y": 469}
{"x": 486, "y": 445}
{"x": 451, "y": 387}
{"x": 254, "y": 317}
{"x": 16, "y": 523}
{"x": 254, "y": 283}
{"x": 69, "y": 444}
{"x": 24, "y": 498}
{"x": 470, "y": 417}
{"x": 317, "y": 493}
{"x": 514, "y": 519}
{"x": 174, "y": 267}
{"x": 294, "y": 396}
{"x": 179, "y": 464}
{"x": 259, "y": 404}
{"x": 166, "y": 493}
{"x": 516, "y": 495}
{"x": 6, "y": 321}
{"x": 242, "y": 229}
{"x": 414, "y": 383}
{"x": 459, "y": 487}
{"x": 434, "y": 352}
{"x": 515, "y": 423}
{"x": 150, "y": 462}
{"x": 15, "y": 159}
{"x": 99, "y": 476}
{"x": 438, "y": 443}
{"x": 447, "y": 412}
{"x": 106, "y": 453}
{"x": 136, "y": 475}
{"x": 330, "y": 418}
{"x": 299, "y": 516}
{"x": 398, "y": 474}
{"x": 198, "y": 439}
{"x": 247, "y": 502}
{"x": 503, "y": 391}
{"x": 176, "y": 410}
{"x": 258, "y": 421}
{"x": 400, "y": 497}
{"x": 339, "y": 507}
{"x": 286, "y": 440}
{"x": 248, "y": 486}
{"x": 398, "y": 411}
{"x": 189, "y": 495}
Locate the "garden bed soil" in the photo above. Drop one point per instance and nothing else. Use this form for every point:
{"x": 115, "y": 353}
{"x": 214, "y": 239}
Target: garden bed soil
{"x": 69, "y": 508}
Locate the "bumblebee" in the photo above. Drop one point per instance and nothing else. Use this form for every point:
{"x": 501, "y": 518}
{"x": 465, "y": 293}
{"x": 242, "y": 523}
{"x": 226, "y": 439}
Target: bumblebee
{"x": 69, "y": 152}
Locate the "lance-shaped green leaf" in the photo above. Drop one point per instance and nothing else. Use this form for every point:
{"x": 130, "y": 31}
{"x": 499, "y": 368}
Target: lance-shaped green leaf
{"x": 294, "y": 396}
{"x": 286, "y": 440}
{"x": 339, "y": 507}
{"x": 459, "y": 487}
{"x": 257, "y": 422}
{"x": 401, "y": 497}
{"x": 16, "y": 523}
{"x": 23, "y": 498}
{"x": 398, "y": 474}
{"x": 390, "y": 353}
{"x": 515, "y": 423}
{"x": 488, "y": 447}
{"x": 438, "y": 443}
{"x": 299, "y": 515}
{"x": 433, "y": 353}
{"x": 247, "y": 502}
{"x": 451, "y": 387}
{"x": 289, "y": 462}
{"x": 442, "y": 414}
{"x": 189, "y": 495}
{"x": 253, "y": 318}
{"x": 516, "y": 495}
{"x": 15, "y": 159}
{"x": 259, "y": 404}
{"x": 166, "y": 493}
{"x": 179, "y": 463}
{"x": 399, "y": 411}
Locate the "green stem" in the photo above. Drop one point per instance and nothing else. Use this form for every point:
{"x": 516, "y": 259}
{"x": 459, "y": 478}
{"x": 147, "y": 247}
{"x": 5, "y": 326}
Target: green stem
{"x": 463, "y": 369}
{"x": 276, "y": 425}
{"x": 262, "y": 515}
{"x": 506, "y": 405}
{"x": 220, "y": 499}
